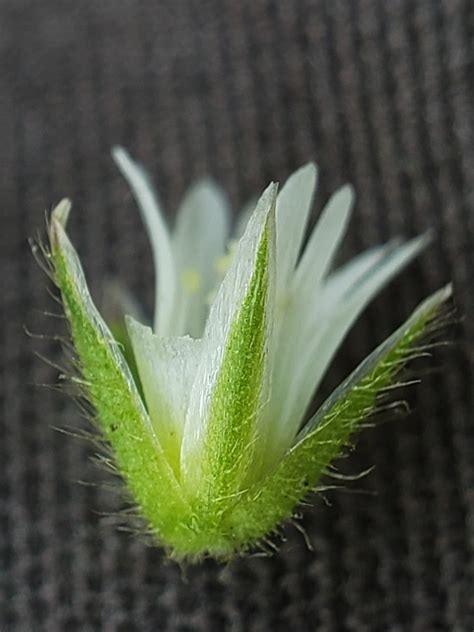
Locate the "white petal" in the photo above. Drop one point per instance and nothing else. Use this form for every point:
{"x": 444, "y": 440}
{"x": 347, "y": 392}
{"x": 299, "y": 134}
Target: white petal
{"x": 376, "y": 268}
{"x": 326, "y": 331}
{"x": 324, "y": 241}
{"x": 304, "y": 295}
{"x": 165, "y": 270}
{"x": 222, "y": 315}
{"x": 199, "y": 241}
{"x": 292, "y": 213}
{"x": 347, "y": 275}
{"x": 167, "y": 369}
{"x": 429, "y": 306}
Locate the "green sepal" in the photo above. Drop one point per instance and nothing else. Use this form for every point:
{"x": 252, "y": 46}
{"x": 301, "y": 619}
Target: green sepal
{"x": 231, "y": 432}
{"x": 109, "y": 385}
{"x": 119, "y": 332}
{"x": 266, "y": 504}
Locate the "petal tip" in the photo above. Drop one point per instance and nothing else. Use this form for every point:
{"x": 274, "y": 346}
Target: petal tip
{"x": 347, "y": 190}
{"x": 120, "y": 156}
{"x": 309, "y": 171}
{"x": 61, "y": 212}
{"x": 309, "y": 167}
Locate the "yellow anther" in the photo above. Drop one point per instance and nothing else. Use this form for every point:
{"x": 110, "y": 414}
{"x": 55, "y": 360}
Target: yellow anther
{"x": 222, "y": 264}
{"x": 191, "y": 280}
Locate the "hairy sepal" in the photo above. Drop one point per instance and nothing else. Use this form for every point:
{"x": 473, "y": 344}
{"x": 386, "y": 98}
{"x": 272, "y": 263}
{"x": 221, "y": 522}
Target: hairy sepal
{"x": 265, "y": 505}
{"x": 120, "y": 413}
{"x": 244, "y": 514}
{"x": 233, "y": 414}
{"x": 222, "y": 427}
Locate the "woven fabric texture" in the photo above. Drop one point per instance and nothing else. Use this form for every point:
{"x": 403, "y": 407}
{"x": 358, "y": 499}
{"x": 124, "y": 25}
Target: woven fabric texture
{"x": 379, "y": 94}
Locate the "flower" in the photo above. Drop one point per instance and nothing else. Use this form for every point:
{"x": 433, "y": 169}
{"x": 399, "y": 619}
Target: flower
{"x": 211, "y": 435}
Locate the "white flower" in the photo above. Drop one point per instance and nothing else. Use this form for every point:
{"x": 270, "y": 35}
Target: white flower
{"x": 310, "y": 308}
{"x": 218, "y": 451}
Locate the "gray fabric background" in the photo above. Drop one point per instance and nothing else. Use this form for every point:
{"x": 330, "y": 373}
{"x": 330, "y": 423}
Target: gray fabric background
{"x": 379, "y": 94}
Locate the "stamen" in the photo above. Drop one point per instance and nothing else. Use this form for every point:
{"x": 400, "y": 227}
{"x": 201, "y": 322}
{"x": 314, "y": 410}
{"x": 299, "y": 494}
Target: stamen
{"x": 222, "y": 264}
{"x": 191, "y": 280}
